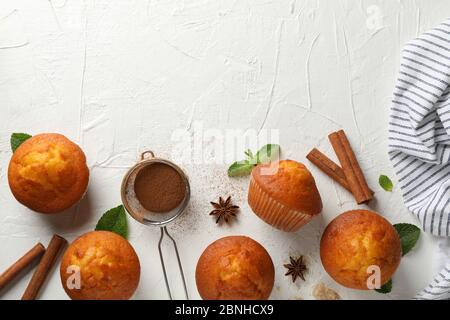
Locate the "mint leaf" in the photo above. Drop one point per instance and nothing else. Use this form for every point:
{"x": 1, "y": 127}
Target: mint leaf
{"x": 240, "y": 168}
{"x": 17, "y": 139}
{"x": 409, "y": 235}
{"x": 268, "y": 153}
{"x": 386, "y": 288}
{"x": 114, "y": 220}
{"x": 386, "y": 183}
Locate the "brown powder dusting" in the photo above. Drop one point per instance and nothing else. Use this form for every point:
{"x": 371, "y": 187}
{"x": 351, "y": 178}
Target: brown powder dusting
{"x": 159, "y": 188}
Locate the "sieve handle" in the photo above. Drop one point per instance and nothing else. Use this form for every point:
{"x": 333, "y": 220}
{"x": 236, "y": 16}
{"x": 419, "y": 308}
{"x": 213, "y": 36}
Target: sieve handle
{"x": 145, "y": 153}
{"x": 164, "y": 231}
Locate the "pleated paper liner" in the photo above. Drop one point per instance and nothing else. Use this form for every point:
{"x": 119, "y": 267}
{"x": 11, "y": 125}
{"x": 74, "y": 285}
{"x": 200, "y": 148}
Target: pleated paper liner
{"x": 273, "y": 212}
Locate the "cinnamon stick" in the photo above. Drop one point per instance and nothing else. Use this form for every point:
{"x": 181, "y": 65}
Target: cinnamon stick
{"x": 329, "y": 167}
{"x": 28, "y": 258}
{"x": 44, "y": 267}
{"x": 350, "y": 166}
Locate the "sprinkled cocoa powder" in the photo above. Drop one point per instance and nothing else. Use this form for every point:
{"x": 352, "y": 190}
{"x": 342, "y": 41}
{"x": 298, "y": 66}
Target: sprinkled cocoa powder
{"x": 159, "y": 188}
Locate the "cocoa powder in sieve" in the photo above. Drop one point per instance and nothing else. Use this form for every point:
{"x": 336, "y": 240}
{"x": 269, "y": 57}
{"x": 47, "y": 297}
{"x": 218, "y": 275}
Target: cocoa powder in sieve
{"x": 159, "y": 188}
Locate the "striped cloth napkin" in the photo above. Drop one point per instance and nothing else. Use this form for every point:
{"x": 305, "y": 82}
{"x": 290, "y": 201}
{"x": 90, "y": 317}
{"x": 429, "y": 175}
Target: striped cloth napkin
{"x": 419, "y": 138}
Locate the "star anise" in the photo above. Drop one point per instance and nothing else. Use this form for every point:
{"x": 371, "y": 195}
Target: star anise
{"x": 224, "y": 210}
{"x": 296, "y": 268}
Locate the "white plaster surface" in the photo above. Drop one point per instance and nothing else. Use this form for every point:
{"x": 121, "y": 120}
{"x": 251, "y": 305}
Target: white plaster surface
{"x": 118, "y": 77}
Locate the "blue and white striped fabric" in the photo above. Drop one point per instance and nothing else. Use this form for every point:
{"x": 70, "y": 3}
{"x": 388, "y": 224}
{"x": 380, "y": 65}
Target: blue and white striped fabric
{"x": 439, "y": 288}
{"x": 419, "y": 138}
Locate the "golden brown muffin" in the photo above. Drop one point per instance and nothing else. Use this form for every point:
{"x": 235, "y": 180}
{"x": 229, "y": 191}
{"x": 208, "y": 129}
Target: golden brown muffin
{"x": 235, "y": 268}
{"x": 48, "y": 173}
{"x": 284, "y": 194}
{"x": 356, "y": 240}
{"x": 108, "y": 266}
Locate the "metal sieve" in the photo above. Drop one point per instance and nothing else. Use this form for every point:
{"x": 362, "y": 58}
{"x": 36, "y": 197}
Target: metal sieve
{"x": 161, "y": 220}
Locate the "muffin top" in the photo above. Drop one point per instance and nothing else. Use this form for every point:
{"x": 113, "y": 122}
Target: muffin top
{"x": 356, "y": 240}
{"x": 235, "y": 268}
{"x": 290, "y": 183}
{"x": 108, "y": 265}
{"x": 48, "y": 173}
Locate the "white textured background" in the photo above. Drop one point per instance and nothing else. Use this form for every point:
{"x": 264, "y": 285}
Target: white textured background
{"x": 119, "y": 77}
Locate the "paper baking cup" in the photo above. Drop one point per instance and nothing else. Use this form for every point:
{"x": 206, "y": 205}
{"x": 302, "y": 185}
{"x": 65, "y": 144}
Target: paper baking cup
{"x": 273, "y": 212}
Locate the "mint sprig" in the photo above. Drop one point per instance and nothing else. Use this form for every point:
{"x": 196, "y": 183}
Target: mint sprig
{"x": 266, "y": 154}
{"x": 17, "y": 139}
{"x": 409, "y": 235}
{"x": 114, "y": 220}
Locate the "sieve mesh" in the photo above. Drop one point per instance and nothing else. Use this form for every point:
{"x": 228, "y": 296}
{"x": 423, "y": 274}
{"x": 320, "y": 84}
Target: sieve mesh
{"x": 134, "y": 207}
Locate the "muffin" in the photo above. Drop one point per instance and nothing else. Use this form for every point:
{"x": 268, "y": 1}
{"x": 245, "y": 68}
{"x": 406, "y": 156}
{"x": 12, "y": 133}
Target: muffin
{"x": 48, "y": 173}
{"x": 108, "y": 267}
{"x": 284, "y": 194}
{"x": 355, "y": 241}
{"x": 235, "y": 268}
